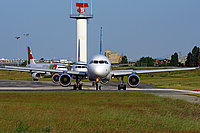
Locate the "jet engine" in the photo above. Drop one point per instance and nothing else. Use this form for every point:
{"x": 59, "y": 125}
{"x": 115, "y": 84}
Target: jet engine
{"x": 55, "y": 78}
{"x": 36, "y": 76}
{"x": 133, "y": 80}
{"x": 65, "y": 80}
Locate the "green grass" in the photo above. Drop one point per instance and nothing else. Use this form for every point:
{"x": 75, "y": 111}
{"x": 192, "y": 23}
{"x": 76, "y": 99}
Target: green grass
{"x": 14, "y": 75}
{"x": 188, "y": 80}
{"x": 96, "y": 112}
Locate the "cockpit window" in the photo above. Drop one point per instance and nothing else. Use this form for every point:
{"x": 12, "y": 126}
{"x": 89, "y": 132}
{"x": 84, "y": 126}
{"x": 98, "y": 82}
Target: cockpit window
{"x": 78, "y": 66}
{"x": 81, "y": 67}
{"x": 101, "y": 62}
{"x": 98, "y": 62}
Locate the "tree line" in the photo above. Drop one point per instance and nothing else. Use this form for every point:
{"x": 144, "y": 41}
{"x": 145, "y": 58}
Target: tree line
{"x": 193, "y": 59}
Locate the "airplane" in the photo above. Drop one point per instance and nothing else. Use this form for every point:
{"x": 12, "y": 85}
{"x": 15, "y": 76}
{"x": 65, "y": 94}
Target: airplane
{"x": 36, "y": 75}
{"x": 98, "y": 71}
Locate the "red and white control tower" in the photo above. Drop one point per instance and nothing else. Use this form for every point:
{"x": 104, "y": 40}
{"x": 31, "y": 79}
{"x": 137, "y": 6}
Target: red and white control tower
{"x": 81, "y": 17}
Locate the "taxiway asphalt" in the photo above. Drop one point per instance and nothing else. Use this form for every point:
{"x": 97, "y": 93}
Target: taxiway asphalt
{"x": 24, "y": 86}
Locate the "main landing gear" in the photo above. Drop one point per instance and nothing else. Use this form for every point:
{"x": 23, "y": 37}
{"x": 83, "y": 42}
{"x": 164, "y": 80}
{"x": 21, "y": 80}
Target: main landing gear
{"x": 122, "y": 85}
{"x": 78, "y": 85}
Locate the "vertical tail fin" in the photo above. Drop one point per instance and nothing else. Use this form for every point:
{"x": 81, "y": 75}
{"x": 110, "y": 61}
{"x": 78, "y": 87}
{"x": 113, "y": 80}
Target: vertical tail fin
{"x": 30, "y": 56}
{"x": 101, "y": 42}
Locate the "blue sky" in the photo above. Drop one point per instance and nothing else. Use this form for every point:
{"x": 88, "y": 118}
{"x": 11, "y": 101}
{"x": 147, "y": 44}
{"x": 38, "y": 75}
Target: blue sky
{"x": 136, "y": 28}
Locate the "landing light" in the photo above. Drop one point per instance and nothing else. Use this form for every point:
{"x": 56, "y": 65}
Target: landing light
{"x": 97, "y": 80}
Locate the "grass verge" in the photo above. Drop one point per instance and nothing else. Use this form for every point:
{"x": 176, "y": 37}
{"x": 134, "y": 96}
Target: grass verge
{"x": 96, "y": 112}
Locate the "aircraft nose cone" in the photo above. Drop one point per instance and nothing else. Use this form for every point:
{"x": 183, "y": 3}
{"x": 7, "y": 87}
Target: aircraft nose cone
{"x": 101, "y": 72}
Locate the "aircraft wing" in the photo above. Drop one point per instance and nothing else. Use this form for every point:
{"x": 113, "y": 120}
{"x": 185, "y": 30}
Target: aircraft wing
{"x": 29, "y": 69}
{"x": 8, "y": 69}
{"x": 129, "y": 72}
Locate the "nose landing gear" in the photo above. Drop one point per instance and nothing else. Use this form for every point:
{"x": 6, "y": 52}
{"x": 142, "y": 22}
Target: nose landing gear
{"x": 98, "y": 86}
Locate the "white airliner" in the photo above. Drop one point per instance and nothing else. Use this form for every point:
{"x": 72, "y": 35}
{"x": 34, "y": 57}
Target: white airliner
{"x": 98, "y": 71}
{"x": 36, "y": 75}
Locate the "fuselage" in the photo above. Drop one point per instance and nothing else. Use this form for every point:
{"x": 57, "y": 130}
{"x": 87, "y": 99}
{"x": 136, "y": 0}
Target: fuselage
{"x": 80, "y": 67}
{"x": 48, "y": 66}
{"x": 99, "y": 68}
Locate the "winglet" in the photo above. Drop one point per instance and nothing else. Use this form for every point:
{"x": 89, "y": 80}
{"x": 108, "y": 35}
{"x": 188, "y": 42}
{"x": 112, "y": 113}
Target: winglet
{"x": 101, "y": 53}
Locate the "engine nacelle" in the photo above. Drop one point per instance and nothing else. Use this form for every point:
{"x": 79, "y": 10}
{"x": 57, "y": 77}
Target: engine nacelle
{"x": 55, "y": 78}
{"x": 36, "y": 76}
{"x": 133, "y": 80}
{"x": 65, "y": 80}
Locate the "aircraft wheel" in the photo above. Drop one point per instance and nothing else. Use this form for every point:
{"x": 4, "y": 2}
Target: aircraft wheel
{"x": 80, "y": 86}
{"x": 99, "y": 87}
{"x": 124, "y": 87}
{"x": 93, "y": 83}
{"x": 35, "y": 79}
{"x": 119, "y": 87}
{"x": 74, "y": 87}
